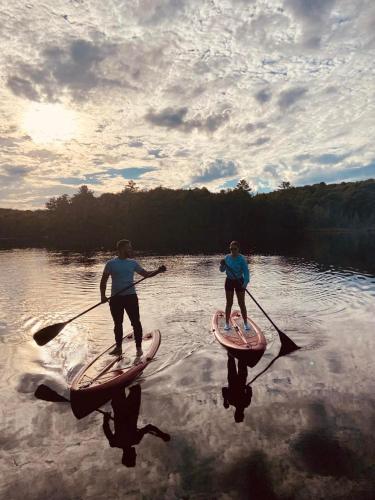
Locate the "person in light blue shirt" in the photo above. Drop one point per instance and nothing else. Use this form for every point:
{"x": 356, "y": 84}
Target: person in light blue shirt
{"x": 122, "y": 269}
{"x": 238, "y": 277}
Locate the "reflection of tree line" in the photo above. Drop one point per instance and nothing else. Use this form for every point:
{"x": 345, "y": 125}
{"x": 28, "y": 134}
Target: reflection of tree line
{"x": 167, "y": 220}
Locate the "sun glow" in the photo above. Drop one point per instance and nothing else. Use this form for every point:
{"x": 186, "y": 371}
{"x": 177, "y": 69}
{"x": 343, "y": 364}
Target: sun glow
{"x": 46, "y": 123}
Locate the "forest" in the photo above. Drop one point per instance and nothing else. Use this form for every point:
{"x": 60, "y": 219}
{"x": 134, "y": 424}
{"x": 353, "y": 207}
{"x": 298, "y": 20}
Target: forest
{"x": 191, "y": 220}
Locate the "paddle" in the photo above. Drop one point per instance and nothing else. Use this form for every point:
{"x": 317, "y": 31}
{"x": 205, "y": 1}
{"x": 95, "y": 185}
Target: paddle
{"x": 284, "y": 350}
{"x": 47, "y": 394}
{"x": 48, "y": 333}
{"x": 286, "y": 343}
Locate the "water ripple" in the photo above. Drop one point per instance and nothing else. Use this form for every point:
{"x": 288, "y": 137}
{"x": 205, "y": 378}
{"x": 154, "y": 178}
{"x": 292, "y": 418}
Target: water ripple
{"x": 304, "y": 299}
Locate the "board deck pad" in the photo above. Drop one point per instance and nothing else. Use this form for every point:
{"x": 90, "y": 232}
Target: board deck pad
{"x": 108, "y": 368}
{"x": 238, "y": 337}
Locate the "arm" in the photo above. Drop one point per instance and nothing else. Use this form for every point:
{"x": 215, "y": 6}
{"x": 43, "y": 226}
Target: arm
{"x": 103, "y": 285}
{"x": 152, "y": 429}
{"x": 222, "y": 265}
{"x": 247, "y": 396}
{"x": 107, "y": 429}
{"x": 246, "y": 274}
{"x": 224, "y": 392}
{"x": 148, "y": 274}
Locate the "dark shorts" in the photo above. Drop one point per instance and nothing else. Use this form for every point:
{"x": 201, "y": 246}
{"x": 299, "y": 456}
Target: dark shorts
{"x": 231, "y": 285}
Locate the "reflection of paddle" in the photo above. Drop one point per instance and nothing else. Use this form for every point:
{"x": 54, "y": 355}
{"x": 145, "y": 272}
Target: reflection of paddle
{"x": 284, "y": 350}
{"x": 287, "y": 344}
{"x": 47, "y": 394}
{"x": 48, "y": 333}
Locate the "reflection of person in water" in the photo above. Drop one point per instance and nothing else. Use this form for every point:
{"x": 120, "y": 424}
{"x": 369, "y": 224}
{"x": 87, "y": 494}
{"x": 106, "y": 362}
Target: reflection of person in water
{"x": 237, "y": 394}
{"x": 126, "y": 434}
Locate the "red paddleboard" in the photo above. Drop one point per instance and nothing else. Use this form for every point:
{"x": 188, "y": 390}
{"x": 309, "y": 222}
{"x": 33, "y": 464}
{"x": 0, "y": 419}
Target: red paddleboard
{"x": 238, "y": 338}
{"x": 107, "y": 372}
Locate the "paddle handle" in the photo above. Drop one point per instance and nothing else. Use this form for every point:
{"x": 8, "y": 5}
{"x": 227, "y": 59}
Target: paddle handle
{"x": 100, "y": 303}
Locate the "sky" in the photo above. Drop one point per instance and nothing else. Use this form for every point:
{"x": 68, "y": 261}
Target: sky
{"x": 183, "y": 94}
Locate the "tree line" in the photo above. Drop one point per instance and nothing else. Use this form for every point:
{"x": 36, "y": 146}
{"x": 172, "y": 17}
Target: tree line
{"x": 191, "y": 220}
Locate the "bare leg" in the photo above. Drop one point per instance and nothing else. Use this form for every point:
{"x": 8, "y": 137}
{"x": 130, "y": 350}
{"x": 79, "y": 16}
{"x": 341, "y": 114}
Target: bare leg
{"x": 228, "y": 308}
{"x": 241, "y": 302}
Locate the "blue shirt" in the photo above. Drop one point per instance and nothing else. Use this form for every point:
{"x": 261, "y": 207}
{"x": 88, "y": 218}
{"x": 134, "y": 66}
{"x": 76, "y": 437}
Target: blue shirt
{"x": 122, "y": 274}
{"x": 239, "y": 267}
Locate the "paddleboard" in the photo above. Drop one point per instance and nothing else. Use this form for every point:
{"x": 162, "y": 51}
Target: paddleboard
{"x": 107, "y": 372}
{"x": 237, "y": 337}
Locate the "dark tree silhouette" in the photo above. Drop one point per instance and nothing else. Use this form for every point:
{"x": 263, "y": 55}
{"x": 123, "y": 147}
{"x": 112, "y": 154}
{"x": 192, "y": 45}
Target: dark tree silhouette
{"x": 285, "y": 185}
{"x": 243, "y": 185}
{"x": 191, "y": 220}
{"x": 131, "y": 186}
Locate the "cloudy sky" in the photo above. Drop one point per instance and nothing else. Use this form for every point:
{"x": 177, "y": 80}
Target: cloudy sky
{"x": 183, "y": 93}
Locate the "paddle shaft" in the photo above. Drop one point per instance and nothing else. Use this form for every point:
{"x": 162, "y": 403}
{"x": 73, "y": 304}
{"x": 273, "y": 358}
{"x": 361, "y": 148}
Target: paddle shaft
{"x": 100, "y": 303}
{"x": 263, "y": 311}
{"x": 265, "y": 369}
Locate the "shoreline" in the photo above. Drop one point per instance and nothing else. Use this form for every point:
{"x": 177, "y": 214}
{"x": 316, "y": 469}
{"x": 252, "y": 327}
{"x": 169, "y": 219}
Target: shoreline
{"x": 260, "y": 247}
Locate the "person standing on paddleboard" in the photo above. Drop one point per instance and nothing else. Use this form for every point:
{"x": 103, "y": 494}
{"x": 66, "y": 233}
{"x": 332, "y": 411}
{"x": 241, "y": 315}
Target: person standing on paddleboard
{"x": 122, "y": 269}
{"x": 238, "y": 278}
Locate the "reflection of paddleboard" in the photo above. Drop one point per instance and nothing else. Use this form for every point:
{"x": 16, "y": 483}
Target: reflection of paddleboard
{"x": 238, "y": 338}
{"x": 106, "y": 372}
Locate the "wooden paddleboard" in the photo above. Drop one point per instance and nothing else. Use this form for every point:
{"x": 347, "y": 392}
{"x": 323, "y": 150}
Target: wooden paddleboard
{"x": 107, "y": 372}
{"x": 238, "y": 338}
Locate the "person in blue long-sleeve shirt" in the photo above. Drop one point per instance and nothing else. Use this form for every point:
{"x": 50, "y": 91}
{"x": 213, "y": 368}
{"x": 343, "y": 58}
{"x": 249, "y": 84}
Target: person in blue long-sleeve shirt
{"x": 238, "y": 278}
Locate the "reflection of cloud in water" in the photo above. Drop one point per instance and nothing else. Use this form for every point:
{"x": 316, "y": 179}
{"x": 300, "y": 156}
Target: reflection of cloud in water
{"x": 326, "y": 392}
{"x": 274, "y": 427}
{"x": 319, "y": 453}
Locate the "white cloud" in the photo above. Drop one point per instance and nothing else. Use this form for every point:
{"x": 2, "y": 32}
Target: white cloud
{"x": 181, "y": 86}
{"x": 213, "y": 171}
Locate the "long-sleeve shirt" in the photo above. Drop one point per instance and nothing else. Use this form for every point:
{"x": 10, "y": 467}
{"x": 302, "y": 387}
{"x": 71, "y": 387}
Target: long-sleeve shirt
{"x": 238, "y": 268}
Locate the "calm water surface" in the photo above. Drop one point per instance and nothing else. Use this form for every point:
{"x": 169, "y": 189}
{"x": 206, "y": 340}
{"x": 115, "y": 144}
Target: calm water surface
{"x": 307, "y": 433}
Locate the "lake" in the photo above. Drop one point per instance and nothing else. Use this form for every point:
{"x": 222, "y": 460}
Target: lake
{"x": 306, "y": 434}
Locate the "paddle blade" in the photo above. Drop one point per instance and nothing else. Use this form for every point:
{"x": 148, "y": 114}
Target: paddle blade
{"x": 83, "y": 404}
{"x": 48, "y": 333}
{"x": 46, "y": 394}
{"x": 287, "y": 344}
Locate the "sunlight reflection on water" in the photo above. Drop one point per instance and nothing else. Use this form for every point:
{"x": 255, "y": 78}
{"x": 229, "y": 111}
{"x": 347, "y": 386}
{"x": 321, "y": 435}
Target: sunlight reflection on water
{"x": 315, "y": 392}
